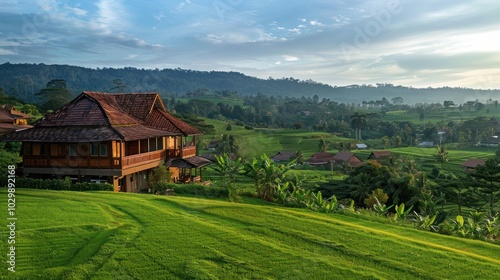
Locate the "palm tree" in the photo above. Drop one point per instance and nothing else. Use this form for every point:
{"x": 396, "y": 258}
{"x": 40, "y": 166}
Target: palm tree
{"x": 442, "y": 154}
{"x": 358, "y": 121}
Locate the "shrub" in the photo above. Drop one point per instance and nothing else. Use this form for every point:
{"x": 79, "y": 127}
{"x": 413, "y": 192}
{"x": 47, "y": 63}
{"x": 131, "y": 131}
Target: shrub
{"x": 193, "y": 189}
{"x": 57, "y": 184}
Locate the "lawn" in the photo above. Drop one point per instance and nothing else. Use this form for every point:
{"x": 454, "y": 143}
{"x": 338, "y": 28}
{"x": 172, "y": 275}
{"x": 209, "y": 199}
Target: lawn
{"x": 69, "y": 235}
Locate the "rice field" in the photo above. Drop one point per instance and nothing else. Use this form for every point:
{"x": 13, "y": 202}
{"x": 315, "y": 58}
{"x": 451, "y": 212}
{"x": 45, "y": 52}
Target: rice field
{"x": 69, "y": 235}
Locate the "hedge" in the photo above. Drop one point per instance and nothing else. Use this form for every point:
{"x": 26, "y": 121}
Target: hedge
{"x": 56, "y": 184}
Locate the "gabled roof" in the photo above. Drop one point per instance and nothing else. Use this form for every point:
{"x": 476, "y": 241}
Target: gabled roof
{"x": 283, "y": 156}
{"x": 473, "y": 162}
{"x": 323, "y": 155}
{"x": 163, "y": 120}
{"x": 343, "y": 156}
{"x": 108, "y": 116}
{"x": 190, "y": 162}
{"x": 379, "y": 154}
{"x": 348, "y": 157}
{"x": 320, "y": 158}
{"x": 9, "y": 114}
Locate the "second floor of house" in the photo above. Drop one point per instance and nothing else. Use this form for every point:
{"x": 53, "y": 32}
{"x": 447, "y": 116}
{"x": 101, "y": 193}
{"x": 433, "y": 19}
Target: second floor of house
{"x": 107, "y": 154}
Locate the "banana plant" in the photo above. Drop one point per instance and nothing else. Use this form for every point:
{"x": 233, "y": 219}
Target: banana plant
{"x": 423, "y": 222}
{"x": 381, "y": 208}
{"x": 401, "y": 214}
{"x": 461, "y": 228}
{"x": 282, "y": 194}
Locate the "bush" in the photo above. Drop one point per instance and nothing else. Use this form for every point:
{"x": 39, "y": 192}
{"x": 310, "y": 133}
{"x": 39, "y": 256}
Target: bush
{"x": 60, "y": 185}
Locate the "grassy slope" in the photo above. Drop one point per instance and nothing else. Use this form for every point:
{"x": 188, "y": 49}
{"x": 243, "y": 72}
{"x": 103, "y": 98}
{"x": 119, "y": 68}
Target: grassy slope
{"x": 65, "y": 235}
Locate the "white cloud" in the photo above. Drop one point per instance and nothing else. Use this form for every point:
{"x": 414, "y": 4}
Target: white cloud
{"x": 290, "y": 58}
{"x": 316, "y": 23}
{"x": 6, "y": 52}
{"x": 112, "y": 15}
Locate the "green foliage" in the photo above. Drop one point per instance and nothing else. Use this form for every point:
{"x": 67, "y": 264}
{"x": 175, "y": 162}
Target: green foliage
{"x": 60, "y": 185}
{"x": 266, "y": 175}
{"x": 377, "y": 196}
{"x": 54, "y": 96}
{"x": 423, "y": 222}
{"x": 229, "y": 169}
{"x": 158, "y": 175}
{"x": 381, "y": 208}
{"x": 401, "y": 214}
{"x": 478, "y": 226}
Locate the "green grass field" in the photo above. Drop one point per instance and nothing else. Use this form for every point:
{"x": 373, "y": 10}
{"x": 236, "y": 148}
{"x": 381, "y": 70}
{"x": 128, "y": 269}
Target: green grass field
{"x": 443, "y": 115}
{"x": 69, "y": 235}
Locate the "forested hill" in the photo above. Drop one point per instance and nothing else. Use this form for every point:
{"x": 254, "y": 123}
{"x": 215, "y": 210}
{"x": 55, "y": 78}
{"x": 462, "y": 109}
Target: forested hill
{"x": 25, "y": 80}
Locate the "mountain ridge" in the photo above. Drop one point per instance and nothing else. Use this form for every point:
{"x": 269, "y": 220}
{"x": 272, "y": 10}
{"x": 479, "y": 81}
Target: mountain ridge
{"x": 25, "y": 80}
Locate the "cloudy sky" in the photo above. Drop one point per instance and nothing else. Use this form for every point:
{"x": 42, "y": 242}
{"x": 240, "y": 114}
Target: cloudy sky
{"x": 405, "y": 42}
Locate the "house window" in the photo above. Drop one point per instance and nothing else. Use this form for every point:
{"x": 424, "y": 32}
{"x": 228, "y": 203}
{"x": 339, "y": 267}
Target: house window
{"x": 54, "y": 150}
{"x": 116, "y": 149}
{"x": 43, "y": 150}
{"x": 144, "y": 145}
{"x": 94, "y": 150}
{"x": 28, "y": 150}
{"x": 103, "y": 150}
{"x": 159, "y": 142}
{"x": 152, "y": 144}
{"x": 73, "y": 150}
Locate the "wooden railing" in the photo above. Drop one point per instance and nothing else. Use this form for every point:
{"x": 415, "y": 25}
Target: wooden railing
{"x": 186, "y": 152}
{"x": 77, "y": 162}
{"x": 143, "y": 158}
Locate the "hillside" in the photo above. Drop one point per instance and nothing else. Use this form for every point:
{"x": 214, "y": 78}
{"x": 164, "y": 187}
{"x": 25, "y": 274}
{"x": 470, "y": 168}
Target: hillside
{"x": 67, "y": 235}
{"x": 25, "y": 80}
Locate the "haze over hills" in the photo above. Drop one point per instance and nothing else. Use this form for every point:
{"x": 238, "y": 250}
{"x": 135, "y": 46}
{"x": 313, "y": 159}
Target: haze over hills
{"x": 25, "y": 80}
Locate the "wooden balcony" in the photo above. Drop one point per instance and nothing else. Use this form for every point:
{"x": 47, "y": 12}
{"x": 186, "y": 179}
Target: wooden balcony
{"x": 143, "y": 158}
{"x": 186, "y": 152}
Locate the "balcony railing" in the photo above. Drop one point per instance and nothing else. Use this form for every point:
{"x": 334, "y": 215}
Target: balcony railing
{"x": 186, "y": 152}
{"x": 143, "y": 158}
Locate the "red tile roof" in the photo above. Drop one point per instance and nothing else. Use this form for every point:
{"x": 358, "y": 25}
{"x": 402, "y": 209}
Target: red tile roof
{"x": 97, "y": 116}
{"x": 380, "y": 154}
{"x": 163, "y": 120}
{"x": 9, "y": 114}
{"x": 343, "y": 156}
{"x": 473, "y": 162}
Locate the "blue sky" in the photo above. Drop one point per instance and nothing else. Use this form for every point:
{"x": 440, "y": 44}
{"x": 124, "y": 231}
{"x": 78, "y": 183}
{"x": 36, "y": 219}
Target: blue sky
{"x": 407, "y": 42}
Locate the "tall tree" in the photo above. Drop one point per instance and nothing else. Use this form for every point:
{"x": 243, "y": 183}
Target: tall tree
{"x": 442, "y": 154}
{"x": 358, "y": 121}
{"x": 119, "y": 85}
{"x": 54, "y": 96}
{"x": 488, "y": 181}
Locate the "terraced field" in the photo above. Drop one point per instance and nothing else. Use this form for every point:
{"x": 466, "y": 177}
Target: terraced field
{"x": 68, "y": 235}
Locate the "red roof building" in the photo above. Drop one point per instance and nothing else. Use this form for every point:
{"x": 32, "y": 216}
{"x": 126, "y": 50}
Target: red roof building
{"x": 472, "y": 164}
{"x": 115, "y": 137}
{"x": 345, "y": 157}
{"x": 12, "y": 120}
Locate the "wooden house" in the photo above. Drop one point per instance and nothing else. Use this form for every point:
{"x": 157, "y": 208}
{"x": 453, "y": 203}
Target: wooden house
{"x": 12, "y": 120}
{"x": 472, "y": 163}
{"x": 380, "y": 156}
{"x": 284, "y": 156}
{"x": 116, "y": 138}
{"x": 321, "y": 158}
{"x": 345, "y": 157}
